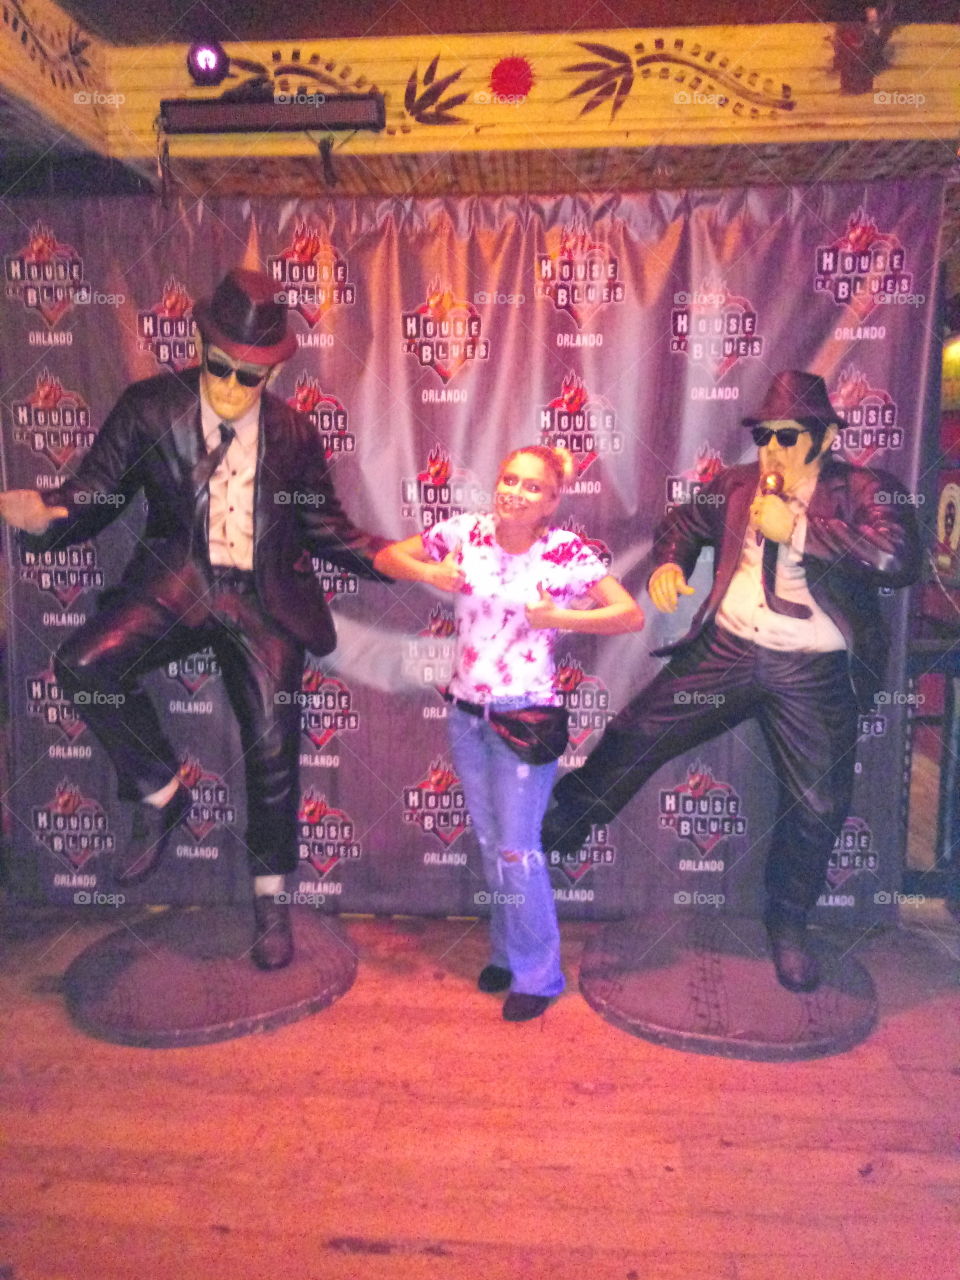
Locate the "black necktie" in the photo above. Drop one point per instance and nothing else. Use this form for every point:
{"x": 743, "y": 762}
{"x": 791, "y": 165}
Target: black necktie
{"x": 775, "y": 604}
{"x": 208, "y": 464}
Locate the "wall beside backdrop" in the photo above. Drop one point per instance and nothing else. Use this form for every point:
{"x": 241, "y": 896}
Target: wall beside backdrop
{"x": 435, "y": 335}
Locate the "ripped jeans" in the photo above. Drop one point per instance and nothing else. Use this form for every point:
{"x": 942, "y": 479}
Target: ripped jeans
{"x": 506, "y": 800}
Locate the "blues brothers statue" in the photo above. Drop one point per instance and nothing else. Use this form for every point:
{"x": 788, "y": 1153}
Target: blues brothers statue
{"x": 236, "y": 488}
{"x": 790, "y": 634}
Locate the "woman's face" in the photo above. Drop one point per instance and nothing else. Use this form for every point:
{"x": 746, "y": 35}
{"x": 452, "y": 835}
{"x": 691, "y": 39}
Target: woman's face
{"x": 526, "y": 493}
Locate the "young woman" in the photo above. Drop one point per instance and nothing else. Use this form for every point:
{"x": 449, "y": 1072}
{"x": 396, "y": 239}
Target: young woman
{"x": 518, "y": 581}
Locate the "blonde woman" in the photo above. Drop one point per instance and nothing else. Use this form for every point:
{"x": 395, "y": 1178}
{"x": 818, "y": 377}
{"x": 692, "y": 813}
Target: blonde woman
{"x": 519, "y": 582}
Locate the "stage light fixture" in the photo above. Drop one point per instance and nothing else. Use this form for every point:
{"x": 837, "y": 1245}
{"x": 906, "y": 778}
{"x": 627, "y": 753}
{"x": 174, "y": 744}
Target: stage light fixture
{"x": 207, "y": 63}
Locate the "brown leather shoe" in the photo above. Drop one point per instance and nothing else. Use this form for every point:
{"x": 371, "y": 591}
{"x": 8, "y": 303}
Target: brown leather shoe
{"x": 273, "y": 937}
{"x": 796, "y": 966}
{"x": 152, "y": 828}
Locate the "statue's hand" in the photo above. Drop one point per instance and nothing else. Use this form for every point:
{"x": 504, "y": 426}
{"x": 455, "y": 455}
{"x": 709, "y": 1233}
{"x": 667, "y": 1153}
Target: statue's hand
{"x": 25, "y": 509}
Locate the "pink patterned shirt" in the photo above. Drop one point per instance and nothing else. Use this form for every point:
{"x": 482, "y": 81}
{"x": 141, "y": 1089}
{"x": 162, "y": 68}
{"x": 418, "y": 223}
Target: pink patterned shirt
{"x": 499, "y": 655}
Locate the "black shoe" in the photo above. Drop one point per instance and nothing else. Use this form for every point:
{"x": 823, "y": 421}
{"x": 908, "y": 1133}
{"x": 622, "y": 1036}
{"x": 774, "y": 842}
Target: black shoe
{"x": 152, "y": 828}
{"x": 561, "y": 833}
{"x": 494, "y": 978}
{"x": 796, "y": 966}
{"x": 273, "y": 939}
{"x": 519, "y": 1007}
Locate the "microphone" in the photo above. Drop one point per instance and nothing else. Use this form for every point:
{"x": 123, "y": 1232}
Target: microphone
{"x": 771, "y": 482}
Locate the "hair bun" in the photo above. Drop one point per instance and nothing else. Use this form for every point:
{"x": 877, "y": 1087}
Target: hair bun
{"x": 568, "y": 463}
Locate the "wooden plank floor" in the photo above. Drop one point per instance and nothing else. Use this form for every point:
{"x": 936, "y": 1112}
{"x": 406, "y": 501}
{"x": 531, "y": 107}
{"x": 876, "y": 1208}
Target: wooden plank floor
{"x": 409, "y": 1132}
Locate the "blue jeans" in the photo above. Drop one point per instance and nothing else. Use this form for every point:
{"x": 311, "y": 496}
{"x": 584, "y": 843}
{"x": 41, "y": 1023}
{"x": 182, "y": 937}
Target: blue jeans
{"x": 507, "y": 799}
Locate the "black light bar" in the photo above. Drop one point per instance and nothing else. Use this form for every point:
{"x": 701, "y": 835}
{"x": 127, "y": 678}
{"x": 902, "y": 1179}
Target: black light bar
{"x": 285, "y": 113}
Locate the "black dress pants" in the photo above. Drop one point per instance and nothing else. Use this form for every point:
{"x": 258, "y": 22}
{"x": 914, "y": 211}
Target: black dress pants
{"x": 806, "y": 709}
{"x": 100, "y": 666}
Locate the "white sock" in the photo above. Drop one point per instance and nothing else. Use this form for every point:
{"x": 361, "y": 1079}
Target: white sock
{"x": 159, "y": 798}
{"x": 267, "y": 886}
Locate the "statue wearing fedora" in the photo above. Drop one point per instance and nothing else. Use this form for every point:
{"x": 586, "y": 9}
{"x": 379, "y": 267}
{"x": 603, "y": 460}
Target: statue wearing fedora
{"x": 237, "y": 489}
{"x": 790, "y": 634}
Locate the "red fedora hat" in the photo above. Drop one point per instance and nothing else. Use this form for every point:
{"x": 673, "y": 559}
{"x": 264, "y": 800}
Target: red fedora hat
{"x": 796, "y": 396}
{"x": 245, "y": 320}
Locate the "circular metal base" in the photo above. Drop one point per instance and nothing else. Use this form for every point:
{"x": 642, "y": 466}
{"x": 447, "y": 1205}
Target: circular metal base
{"x": 186, "y": 977}
{"x": 704, "y": 982}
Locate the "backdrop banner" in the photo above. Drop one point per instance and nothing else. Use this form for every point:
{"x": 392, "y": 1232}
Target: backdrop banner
{"x": 435, "y": 335}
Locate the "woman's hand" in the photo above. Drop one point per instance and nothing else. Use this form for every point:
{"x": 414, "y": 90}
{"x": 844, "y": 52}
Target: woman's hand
{"x": 666, "y": 586}
{"x": 447, "y": 574}
{"x": 542, "y": 613}
{"x": 25, "y": 509}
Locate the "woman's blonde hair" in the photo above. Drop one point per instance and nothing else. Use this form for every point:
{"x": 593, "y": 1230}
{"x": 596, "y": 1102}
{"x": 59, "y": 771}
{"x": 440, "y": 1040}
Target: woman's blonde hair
{"x": 559, "y": 461}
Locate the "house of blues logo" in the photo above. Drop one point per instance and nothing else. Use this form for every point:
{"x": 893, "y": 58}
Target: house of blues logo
{"x": 327, "y": 414}
{"x": 428, "y": 656}
{"x": 686, "y": 486}
{"x": 334, "y": 579}
{"x": 703, "y": 811}
{"x": 46, "y": 276}
{"x": 584, "y": 424}
{"x": 587, "y": 700}
{"x": 211, "y": 800}
{"x": 193, "y": 671}
{"x": 864, "y": 267}
{"x": 440, "y": 491}
{"x": 715, "y": 329}
{"x": 597, "y": 851}
{"x": 72, "y": 827}
{"x": 65, "y": 574}
{"x": 444, "y": 332}
{"x": 436, "y": 804}
{"x": 53, "y": 423}
{"x": 326, "y": 707}
{"x": 871, "y": 417}
{"x": 852, "y": 852}
{"x": 326, "y": 837}
{"x": 311, "y": 276}
{"x": 46, "y": 702}
{"x": 581, "y": 276}
{"x": 166, "y": 328}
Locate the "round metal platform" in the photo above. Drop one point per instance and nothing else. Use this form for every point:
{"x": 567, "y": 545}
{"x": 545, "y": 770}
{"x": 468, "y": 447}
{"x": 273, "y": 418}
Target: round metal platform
{"x": 185, "y": 977}
{"x": 704, "y": 982}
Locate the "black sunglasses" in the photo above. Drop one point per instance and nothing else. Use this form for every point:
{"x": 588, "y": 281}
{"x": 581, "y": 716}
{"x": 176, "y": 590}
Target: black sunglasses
{"x": 220, "y": 369}
{"x": 786, "y": 438}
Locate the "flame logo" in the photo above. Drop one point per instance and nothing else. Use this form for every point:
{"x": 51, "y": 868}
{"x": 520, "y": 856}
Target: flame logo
{"x": 313, "y": 679}
{"x": 440, "y": 301}
{"x": 707, "y": 465}
{"x": 700, "y": 781}
{"x": 861, "y": 232}
{"x": 191, "y": 771}
{"x": 307, "y": 242}
{"x": 175, "y": 302}
{"x": 575, "y": 241}
{"x": 42, "y": 246}
{"x": 852, "y": 387}
{"x": 568, "y": 678}
{"x": 313, "y": 808}
{"x": 67, "y": 799}
{"x": 573, "y": 394}
{"x": 307, "y": 394}
{"x": 48, "y": 392}
{"x": 440, "y": 624}
{"x": 439, "y": 466}
{"x": 439, "y": 778}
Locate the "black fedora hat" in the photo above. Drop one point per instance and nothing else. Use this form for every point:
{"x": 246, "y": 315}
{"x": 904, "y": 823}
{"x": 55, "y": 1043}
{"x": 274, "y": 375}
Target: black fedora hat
{"x": 244, "y": 319}
{"x": 796, "y": 396}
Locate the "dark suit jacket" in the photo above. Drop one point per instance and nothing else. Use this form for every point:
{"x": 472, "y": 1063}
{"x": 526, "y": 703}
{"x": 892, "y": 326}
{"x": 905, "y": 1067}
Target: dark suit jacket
{"x": 150, "y": 442}
{"x": 861, "y": 535}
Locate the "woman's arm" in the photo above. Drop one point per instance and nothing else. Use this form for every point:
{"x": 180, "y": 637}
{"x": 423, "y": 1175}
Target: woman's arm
{"x": 411, "y": 561}
{"x": 616, "y": 611}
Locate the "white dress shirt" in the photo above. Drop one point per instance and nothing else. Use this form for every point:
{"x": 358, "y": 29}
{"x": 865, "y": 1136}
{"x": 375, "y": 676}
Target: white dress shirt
{"x": 230, "y": 517}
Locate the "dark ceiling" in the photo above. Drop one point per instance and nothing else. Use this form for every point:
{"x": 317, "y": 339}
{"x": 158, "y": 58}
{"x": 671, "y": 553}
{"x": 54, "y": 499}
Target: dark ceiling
{"x": 171, "y": 21}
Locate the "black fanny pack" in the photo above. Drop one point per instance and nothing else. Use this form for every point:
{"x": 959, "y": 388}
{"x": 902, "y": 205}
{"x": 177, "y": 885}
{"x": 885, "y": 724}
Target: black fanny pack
{"x": 537, "y": 735}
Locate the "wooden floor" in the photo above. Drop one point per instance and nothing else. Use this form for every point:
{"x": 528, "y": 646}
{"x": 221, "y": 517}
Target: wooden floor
{"x": 409, "y": 1132}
